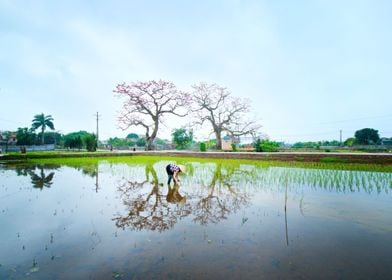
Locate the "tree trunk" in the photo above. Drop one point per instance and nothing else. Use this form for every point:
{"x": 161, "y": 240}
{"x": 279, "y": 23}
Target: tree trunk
{"x": 218, "y": 140}
{"x": 151, "y": 139}
{"x": 43, "y": 139}
{"x": 149, "y": 144}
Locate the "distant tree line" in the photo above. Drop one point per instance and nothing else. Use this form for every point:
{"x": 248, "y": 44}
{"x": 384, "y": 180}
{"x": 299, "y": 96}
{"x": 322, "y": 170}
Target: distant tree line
{"x": 74, "y": 140}
{"x": 315, "y": 144}
{"x": 26, "y": 136}
{"x": 132, "y": 140}
{"x": 365, "y": 136}
{"x": 80, "y": 140}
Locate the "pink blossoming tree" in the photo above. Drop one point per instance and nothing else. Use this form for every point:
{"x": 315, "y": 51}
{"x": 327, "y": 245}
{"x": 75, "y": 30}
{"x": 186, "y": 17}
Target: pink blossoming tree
{"x": 147, "y": 103}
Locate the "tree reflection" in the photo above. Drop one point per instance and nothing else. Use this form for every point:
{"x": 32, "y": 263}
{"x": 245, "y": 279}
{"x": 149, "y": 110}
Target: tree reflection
{"x": 148, "y": 208}
{"x": 90, "y": 169}
{"x": 24, "y": 170}
{"x": 222, "y": 199}
{"x": 38, "y": 173}
{"x": 41, "y": 180}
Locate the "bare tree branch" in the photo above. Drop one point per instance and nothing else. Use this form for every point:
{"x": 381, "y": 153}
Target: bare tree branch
{"x": 146, "y": 104}
{"x": 224, "y": 112}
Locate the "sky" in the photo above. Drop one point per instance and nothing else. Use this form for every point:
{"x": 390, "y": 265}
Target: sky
{"x": 310, "y": 68}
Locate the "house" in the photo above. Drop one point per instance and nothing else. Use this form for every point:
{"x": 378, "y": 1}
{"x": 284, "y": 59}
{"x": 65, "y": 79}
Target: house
{"x": 9, "y": 139}
{"x": 12, "y": 139}
{"x": 386, "y": 142}
{"x": 227, "y": 141}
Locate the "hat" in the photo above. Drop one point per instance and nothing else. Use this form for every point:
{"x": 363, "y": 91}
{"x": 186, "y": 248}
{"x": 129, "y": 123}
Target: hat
{"x": 182, "y": 168}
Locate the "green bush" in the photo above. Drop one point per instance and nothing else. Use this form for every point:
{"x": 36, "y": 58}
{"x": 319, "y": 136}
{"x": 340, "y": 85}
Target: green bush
{"x": 203, "y": 147}
{"x": 183, "y": 138}
{"x": 90, "y": 142}
{"x": 73, "y": 142}
{"x": 233, "y": 147}
{"x": 257, "y": 145}
{"x": 266, "y": 146}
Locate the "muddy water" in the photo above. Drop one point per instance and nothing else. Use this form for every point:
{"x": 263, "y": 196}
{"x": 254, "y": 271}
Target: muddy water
{"x": 224, "y": 220}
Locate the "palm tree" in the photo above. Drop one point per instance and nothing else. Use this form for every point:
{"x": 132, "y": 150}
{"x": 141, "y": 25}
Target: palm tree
{"x": 42, "y": 121}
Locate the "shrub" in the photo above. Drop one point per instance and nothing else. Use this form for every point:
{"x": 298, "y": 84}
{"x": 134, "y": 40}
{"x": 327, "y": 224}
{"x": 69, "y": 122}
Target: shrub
{"x": 73, "y": 142}
{"x": 233, "y": 147}
{"x": 257, "y": 145}
{"x": 183, "y": 138}
{"x": 203, "y": 147}
{"x": 91, "y": 142}
{"x": 266, "y": 146}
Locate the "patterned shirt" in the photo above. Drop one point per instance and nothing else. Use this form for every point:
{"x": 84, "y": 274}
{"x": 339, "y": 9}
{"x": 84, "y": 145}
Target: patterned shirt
{"x": 174, "y": 168}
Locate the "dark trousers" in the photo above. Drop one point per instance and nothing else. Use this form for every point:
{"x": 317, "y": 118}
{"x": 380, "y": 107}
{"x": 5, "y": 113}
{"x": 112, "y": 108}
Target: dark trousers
{"x": 169, "y": 173}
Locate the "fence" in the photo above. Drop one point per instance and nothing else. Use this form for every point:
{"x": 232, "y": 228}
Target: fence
{"x": 17, "y": 148}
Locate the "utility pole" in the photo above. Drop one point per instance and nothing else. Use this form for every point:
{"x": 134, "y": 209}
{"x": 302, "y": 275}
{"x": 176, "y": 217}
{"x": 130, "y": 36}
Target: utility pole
{"x": 97, "y": 118}
{"x": 340, "y": 137}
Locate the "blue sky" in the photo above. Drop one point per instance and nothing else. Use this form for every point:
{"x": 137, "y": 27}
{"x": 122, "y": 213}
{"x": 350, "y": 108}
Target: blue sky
{"x": 310, "y": 68}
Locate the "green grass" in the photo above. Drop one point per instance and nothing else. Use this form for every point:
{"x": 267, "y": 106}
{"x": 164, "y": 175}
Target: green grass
{"x": 76, "y": 158}
{"x": 333, "y": 159}
{"x": 51, "y": 153}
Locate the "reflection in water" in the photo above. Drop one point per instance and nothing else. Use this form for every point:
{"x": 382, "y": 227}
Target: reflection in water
{"x": 221, "y": 198}
{"x": 148, "y": 208}
{"x": 218, "y": 190}
{"x": 228, "y": 220}
{"x": 92, "y": 170}
{"x": 41, "y": 180}
{"x": 173, "y": 194}
{"x": 285, "y": 215}
{"x": 41, "y": 174}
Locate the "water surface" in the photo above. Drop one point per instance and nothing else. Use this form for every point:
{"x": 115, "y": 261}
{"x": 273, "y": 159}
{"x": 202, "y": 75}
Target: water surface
{"x": 231, "y": 220}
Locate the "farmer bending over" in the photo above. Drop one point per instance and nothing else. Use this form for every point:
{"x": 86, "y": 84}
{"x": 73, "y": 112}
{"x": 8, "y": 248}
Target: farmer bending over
{"x": 173, "y": 170}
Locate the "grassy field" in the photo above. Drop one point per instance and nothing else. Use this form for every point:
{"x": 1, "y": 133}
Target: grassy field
{"x": 329, "y": 160}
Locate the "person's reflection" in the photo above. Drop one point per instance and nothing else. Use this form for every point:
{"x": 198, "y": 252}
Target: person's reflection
{"x": 41, "y": 180}
{"x": 174, "y": 196}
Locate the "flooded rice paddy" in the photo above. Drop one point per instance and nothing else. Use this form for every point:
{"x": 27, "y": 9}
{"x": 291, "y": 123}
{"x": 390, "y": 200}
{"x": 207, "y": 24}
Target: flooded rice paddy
{"x": 226, "y": 219}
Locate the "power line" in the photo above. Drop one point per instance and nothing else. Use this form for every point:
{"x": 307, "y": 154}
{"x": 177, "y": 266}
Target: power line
{"x": 356, "y": 119}
{"x": 308, "y": 134}
{"x": 10, "y": 121}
